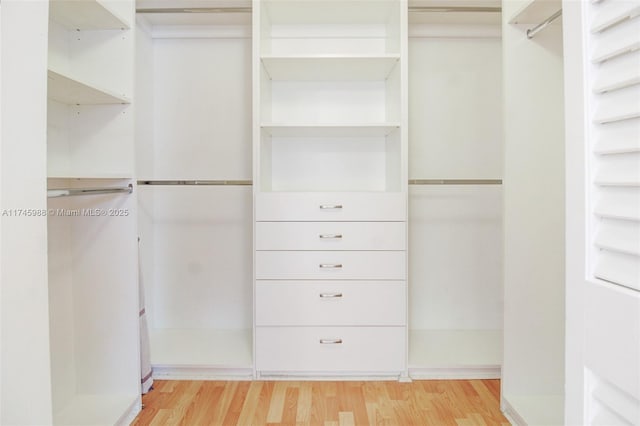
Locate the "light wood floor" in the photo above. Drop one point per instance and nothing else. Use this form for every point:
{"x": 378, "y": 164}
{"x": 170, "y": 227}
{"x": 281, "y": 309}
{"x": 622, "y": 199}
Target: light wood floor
{"x": 432, "y": 402}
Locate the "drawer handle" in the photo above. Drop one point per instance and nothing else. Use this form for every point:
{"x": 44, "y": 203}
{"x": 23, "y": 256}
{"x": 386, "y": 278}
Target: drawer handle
{"x": 330, "y": 341}
{"x": 330, "y": 206}
{"x": 330, "y": 295}
{"x": 330, "y": 236}
{"x": 330, "y": 265}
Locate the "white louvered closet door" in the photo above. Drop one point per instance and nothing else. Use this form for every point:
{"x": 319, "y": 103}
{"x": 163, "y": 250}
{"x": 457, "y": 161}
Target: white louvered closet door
{"x": 603, "y": 297}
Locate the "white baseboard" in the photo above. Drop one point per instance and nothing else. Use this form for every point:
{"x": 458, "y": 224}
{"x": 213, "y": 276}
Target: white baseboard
{"x": 511, "y": 414}
{"x": 455, "y": 373}
{"x": 133, "y": 411}
{"x": 177, "y": 372}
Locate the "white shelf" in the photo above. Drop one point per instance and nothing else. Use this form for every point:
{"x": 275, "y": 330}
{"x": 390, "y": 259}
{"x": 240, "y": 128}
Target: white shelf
{"x": 95, "y": 410}
{"x": 329, "y": 67}
{"x": 203, "y": 348}
{"x": 324, "y": 12}
{"x": 330, "y": 130}
{"x": 70, "y": 91}
{"x": 455, "y": 348}
{"x": 536, "y": 12}
{"x": 85, "y": 15}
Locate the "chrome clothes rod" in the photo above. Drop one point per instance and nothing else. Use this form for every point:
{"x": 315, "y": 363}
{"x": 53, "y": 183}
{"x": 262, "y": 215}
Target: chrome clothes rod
{"x": 247, "y": 9}
{"x": 455, "y": 181}
{"x": 541, "y": 26}
{"x": 196, "y": 182}
{"x": 70, "y": 192}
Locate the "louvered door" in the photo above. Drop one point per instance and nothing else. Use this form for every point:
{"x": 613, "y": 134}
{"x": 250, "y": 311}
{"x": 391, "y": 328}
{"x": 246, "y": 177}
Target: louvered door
{"x": 602, "y": 68}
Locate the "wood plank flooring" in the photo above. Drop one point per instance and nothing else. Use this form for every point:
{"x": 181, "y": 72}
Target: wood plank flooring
{"x": 426, "y": 402}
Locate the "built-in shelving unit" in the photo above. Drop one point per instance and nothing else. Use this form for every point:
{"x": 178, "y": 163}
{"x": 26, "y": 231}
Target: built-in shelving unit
{"x": 92, "y": 246}
{"x": 330, "y": 138}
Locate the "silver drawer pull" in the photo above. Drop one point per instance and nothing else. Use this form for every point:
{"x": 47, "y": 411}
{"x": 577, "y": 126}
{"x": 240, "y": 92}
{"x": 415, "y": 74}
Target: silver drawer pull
{"x": 330, "y": 236}
{"x": 330, "y": 295}
{"x": 330, "y": 206}
{"x": 330, "y": 265}
{"x": 330, "y": 341}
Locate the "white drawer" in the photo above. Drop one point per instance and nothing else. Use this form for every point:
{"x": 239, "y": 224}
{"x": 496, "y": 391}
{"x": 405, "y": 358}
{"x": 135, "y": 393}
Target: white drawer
{"x": 331, "y": 206}
{"x": 332, "y": 265}
{"x": 330, "y": 349}
{"x": 330, "y": 235}
{"x": 331, "y": 303}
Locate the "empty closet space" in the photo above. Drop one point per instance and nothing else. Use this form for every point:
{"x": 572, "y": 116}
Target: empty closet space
{"x": 193, "y": 137}
{"x": 92, "y": 226}
{"x": 455, "y": 195}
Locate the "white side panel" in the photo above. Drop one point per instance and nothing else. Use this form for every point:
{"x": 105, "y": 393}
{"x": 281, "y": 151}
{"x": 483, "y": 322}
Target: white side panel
{"x": 534, "y": 315}
{"x": 25, "y": 389}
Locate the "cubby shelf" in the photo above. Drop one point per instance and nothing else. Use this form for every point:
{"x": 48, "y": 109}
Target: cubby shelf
{"x": 68, "y": 90}
{"x": 330, "y": 130}
{"x": 329, "y": 67}
{"x": 85, "y": 15}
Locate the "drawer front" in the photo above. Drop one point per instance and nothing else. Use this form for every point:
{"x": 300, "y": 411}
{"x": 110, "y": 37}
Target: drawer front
{"x": 330, "y": 236}
{"x": 331, "y": 206}
{"x": 317, "y": 303}
{"x": 330, "y": 265}
{"x": 330, "y": 349}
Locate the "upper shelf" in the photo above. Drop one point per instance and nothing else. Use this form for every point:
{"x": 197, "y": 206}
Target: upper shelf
{"x": 305, "y": 12}
{"x": 70, "y": 91}
{"x": 322, "y": 68}
{"x": 85, "y": 15}
{"x": 536, "y": 11}
{"x": 330, "y": 130}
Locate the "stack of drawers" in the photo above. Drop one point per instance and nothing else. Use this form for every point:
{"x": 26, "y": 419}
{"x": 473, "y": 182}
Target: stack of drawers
{"x": 330, "y": 293}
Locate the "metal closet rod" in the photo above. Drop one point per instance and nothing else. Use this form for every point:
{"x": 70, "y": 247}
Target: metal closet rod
{"x": 196, "y": 182}
{"x": 70, "y": 192}
{"x": 249, "y": 182}
{"x": 541, "y": 26}
{"x": 247, "y": 9}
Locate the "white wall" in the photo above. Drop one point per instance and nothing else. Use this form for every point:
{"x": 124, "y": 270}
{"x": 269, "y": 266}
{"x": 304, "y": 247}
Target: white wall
{"x": 26, "y": 374}
{"x": 534, "y": 220}
{"x": 455, "y": 231}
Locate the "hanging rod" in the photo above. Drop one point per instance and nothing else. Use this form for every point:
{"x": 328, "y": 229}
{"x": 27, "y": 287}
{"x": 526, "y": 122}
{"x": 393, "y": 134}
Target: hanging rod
{"x": 247, "y": 9}
{"x": 455, "y": 181}
{"x": 249, "y": 183}
{"x": 196, "y": 182}
{"x": 541, "y": 26}
{"x": 69, "y": 192}
{"x": 196, "y": 10}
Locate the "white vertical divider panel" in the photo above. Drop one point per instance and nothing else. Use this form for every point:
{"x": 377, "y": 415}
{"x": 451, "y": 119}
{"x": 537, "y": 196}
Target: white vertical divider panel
{"x": 603, "y": 256}
{"x": 532, "y": 375}
{"x": 25, "y": 389}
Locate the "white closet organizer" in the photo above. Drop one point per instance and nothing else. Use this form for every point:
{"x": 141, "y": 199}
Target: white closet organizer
{"x": 193, "y": 114}
{"x": 93, "y": 293}
{"x": 330, "y": 192}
